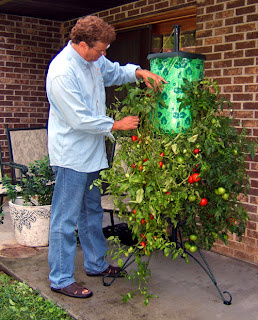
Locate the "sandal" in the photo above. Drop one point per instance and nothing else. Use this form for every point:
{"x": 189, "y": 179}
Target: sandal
{"x": 74, "y": 290}
{"x": 110, "y": 271}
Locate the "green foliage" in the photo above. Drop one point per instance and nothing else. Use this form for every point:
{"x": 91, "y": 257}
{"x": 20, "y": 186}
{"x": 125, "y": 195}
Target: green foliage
{"x": 19, "y": 301}
{"x": 37, "y": 184}
{"x": 152, "y": 171}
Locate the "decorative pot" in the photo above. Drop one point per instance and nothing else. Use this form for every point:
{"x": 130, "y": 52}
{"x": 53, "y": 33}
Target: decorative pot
{"x": 31, "y": 223}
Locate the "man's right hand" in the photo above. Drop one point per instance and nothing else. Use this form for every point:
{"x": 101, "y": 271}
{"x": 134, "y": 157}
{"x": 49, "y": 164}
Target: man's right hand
{"x": 127, "y": 123}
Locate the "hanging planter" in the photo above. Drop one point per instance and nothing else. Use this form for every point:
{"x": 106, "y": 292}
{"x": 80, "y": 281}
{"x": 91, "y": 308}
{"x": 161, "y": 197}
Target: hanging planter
{"x": 175, "y": 67}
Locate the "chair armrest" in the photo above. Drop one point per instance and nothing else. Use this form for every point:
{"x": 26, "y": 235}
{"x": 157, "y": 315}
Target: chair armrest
{"x": 24, "y": 169}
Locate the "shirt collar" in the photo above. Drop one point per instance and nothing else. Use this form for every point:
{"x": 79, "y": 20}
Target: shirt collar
{"x": 76, "y": 55}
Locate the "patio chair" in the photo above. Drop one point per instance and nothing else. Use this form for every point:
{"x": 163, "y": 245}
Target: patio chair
{"x": 25, "y": 145}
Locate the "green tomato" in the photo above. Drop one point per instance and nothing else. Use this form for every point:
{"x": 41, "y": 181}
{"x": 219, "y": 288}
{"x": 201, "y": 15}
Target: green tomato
{"x": 221, "y": 190}
{"x": 193, "y": 248}
{"x": 225, "y": 196}
{"x": 192, "y": 198}
{"x": 193, "y": 237}
{"x": 235, "y": 152}
{"x": 216, "y": 191}
{"x": 213, "y": 121}
{"x": 180, "y": 159}
{"x": 187, "y": 245}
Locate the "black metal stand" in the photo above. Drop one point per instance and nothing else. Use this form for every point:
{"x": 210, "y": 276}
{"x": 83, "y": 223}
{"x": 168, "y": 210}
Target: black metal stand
{"x": 126, "y": 264}
{"x": 174, "y": 238}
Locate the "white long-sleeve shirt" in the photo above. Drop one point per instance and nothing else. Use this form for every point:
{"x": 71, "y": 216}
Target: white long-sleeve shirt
{"x": 78, "y": 123}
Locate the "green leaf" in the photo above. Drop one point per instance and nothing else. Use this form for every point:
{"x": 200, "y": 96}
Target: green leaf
{"x": 193, "y": 138}
{"x": 174, "y": 148}
{"x": 139, "y": 195}
{"x": 120, "y": 262}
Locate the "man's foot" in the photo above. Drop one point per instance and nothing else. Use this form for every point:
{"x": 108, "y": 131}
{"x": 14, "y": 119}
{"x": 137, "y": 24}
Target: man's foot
{"x": 110, "y": 271}
{"x": 74, "y": 290}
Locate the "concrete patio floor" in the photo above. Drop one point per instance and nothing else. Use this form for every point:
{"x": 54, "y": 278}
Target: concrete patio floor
{"x": 185, "y": 291}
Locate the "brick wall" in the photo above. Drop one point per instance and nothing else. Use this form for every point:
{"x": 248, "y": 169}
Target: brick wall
{"x": 226, "y": 33}
{"x": 26, "y": 45}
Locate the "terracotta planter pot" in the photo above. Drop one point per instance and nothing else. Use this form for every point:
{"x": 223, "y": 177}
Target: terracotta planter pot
{"x": 31, "y": 223}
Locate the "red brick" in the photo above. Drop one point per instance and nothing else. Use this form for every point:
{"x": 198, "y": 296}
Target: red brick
{"x": 161, "y": 5}
{"x": 223, "y": 47}
{"x": 251, "y": 70}
{"x": 251, "y": 88}
{"x": 234, "y": 54}
{"x": 252, "y": 17}
{"x": 140, "y": 3}
{"x": 213, "y": 40}
{"x": 224, "y": 14}
{"x": 134, "y": 12}
{"x": 243, "y": 79}
{"x": 245, "y": 27}
{"x": 245, "y": 10}
{"x": 215, "y": 8}
{"x": 221, "y": 31}
{"x": 245, "y": 45}
{"x": 232, "y": 71}
{"x": 244, "y": 256}
{"x": 243, "y": 62}
{"x": 251, "y": 35}
{"x": 252, "y": 234}
{"x": 234, "y": 20}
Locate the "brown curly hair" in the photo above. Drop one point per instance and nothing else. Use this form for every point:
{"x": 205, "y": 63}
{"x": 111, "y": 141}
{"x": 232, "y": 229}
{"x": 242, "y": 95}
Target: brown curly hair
{"x": 91, "y": 29}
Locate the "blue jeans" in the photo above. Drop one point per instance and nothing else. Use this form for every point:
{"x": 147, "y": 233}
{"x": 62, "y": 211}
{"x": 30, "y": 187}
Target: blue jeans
{"x": 75, "y": 206}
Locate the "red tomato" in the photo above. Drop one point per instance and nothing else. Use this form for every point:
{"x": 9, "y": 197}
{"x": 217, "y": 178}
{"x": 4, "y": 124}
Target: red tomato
{"x": 143, "y": 244}
{"x": 196, "y": 177}
{"x": 134, "y": 138}
{"x": 143, "y": 236}
{"x": 142, "y": 221}
{"x": 190, "y": 179}
{"x": 162, "y": 154}
{"x": 168, "y": 193}
{"x": 196, "y": 151}
{"x": 141, "y": 167}
{"x": 161, "y": 164}
{"x": 134, "y": 165}
{"x": 146, "y": 159}
{"x": 203, "y": 202}
{"x": 134, "y": 211}
{"x": 151, "y": 216}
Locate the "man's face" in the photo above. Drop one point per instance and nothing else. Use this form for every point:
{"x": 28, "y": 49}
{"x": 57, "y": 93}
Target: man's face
{"x": 93, "y": 53}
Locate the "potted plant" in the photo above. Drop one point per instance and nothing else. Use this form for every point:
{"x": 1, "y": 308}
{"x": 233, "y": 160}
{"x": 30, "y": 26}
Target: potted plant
{"x": 30, "y": 203}
{"x": 193, "y": 178}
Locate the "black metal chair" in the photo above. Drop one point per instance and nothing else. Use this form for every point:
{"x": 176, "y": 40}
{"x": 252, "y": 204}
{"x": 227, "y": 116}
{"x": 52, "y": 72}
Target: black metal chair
{"x": 119, "y": 229}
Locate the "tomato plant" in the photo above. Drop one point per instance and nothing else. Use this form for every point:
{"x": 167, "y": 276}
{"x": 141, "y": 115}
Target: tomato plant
{"x": 161, "y": 184}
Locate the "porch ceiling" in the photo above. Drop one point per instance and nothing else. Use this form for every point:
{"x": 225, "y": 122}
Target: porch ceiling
{"x": 59, "y": 10}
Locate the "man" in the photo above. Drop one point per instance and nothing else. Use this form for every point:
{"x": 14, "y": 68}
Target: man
{"x": 77, "y": 127}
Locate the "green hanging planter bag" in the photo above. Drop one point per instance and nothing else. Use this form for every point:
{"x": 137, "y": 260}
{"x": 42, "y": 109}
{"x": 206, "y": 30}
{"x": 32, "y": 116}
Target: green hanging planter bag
{"x": 175, "y": 67}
